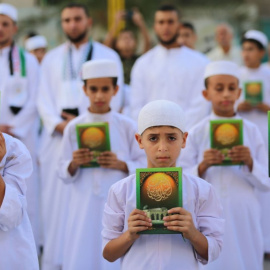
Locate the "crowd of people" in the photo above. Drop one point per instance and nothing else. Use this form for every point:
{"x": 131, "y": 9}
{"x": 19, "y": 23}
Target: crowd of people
{"x": 159, "y": 102}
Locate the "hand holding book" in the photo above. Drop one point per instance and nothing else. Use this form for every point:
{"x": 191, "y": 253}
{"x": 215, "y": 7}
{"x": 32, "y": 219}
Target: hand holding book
{"x": 80, "y": 157}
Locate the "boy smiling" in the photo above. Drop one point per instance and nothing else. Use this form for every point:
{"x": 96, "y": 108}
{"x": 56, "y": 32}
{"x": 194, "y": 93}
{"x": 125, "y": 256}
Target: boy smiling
{"x": 161, "y": 133}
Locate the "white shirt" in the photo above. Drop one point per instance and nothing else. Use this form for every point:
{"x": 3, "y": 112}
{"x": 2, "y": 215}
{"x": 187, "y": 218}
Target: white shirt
{"x": 89, "y": 190}
{"x": 162, "y": 251}
{"x": 17, "y": 244}
{"x": 259, "y": 118}
{"x": 235, "y": 186}
{"x": 172, "y": 74}
{"x": 233, "y": 55}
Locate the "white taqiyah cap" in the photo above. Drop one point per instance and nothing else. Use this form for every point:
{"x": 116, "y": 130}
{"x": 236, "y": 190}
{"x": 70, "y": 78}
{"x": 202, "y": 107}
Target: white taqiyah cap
{"x": 9, "y": 10}
{"x": 161, "y": 113}
{"x": 99, "y": 69}
{"x": 35, "y": 42}
{"x": 222, "y": 68}
{"x": 258, "y": 36}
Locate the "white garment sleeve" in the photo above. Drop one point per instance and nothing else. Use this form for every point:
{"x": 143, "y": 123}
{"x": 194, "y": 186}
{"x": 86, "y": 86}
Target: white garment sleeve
{"x": 16, "y": 167}
{"x": 138, "y": 96}
{"x": 211, "y": 223}
{"x": 46, "y": 100}
{"x": 23, "y": 121}
{"x": 258, "y": 177}
{"x": 113, "y": 217}
{"x": 66, "y": 156}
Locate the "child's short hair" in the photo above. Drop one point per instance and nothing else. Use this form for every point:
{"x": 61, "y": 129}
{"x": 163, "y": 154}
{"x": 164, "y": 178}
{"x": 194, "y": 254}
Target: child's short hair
{"x": 161, "y": 113}
{"x": 256, "y": 37}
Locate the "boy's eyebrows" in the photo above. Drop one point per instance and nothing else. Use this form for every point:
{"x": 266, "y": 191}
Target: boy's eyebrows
{"x": 156, "y": 134}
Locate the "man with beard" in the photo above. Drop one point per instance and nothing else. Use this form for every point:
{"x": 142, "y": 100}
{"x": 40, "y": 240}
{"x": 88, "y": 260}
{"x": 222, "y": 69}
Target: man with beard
{"x": 169, "y": 71}
{"x": 60, "y": 99}
{"x": 18, "y": 114}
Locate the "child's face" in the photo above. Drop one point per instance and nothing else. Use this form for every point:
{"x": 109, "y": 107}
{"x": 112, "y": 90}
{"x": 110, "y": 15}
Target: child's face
{"x": 222, "y": 91}
{"x": 251, "y": 54}
{"x": 100, "y": 92}
{"x": 162, "y": 145}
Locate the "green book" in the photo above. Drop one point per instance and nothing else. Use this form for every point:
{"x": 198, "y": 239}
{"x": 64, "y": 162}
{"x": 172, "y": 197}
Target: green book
{"x": 253, "y": 92}
{"x": 94, "y": 136}
{"x": 224, "y": 135}
{"x": 158, "y": 190}
{"x": 269, "y": 143}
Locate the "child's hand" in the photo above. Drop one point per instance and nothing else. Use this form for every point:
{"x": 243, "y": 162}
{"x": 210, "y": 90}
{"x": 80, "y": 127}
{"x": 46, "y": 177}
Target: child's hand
{"x": 3, "y": 150}
{"x": 180, "y": 221}
{"x": 263, "y": 107}
{"x": 80, "y": 157}
{"x": 137, "y": 222}
{"x": 6, "y": 129}
{"x": 109, "y": 160}
{"x": 241, "y": 153}
{"x": 245, "y": 107}
{"x": 210, "y": 157}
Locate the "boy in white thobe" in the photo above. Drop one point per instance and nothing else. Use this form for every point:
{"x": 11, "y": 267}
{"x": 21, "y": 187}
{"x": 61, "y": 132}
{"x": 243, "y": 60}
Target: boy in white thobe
{"x": 89, "y": 186}
{"x": 235, "y": 185}
{"x": 19, "y": 73}
{"x": 160, "y": 134}
{"x": 17, "y": 243}
{"x": 254, "y": 45}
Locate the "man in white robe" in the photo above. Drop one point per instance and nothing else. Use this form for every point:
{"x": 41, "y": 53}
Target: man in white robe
{"x": 60, "y": 98}
{"x": 19, "y": 117}
{"x": 225, "y": 49}
{"x": 169, "y": 71}
{"x": 17, "y": 244}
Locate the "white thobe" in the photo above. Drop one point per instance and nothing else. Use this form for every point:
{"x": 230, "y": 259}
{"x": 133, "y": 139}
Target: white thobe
{"x": 168, "y": 251}
{"x": 172, "y": 74}
{"x": 236, "y": 186}
{"x": 51, "y": 101}
{"x": 233, "y": 55}
{"x": 17, "y": 244}
{"x": 89, "y": 190}
{"x": 260, "y": 119}
{"x": 25, "y": 123}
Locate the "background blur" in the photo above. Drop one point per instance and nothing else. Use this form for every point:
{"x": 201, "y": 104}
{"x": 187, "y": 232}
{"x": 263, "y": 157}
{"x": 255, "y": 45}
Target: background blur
{"x": 43, "y": 16}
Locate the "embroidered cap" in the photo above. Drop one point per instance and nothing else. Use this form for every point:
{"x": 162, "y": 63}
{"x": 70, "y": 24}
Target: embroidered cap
{"x": 258, "y": 36}
{"x": 161, "y": 113}
{"x": 35, "y": 42}
{"x": 9, "y": 10}
{"x": 222, "y": 68}
{"x": 99, "y": 69}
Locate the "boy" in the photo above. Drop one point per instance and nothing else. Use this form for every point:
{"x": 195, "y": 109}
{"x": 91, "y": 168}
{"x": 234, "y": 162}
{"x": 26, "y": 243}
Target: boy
{"x": 17, "y": 243}
{"x": 161, "y": 134}
{"x": 236, "y": 185}
{"x": 254, "y": 45}
{"x": 90, "y": 185}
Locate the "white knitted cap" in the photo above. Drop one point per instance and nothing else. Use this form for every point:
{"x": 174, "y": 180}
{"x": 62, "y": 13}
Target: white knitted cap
{"x": 9, "y": 10}
{"x": 35, "y": 42}
{"x": 161, "y": 113}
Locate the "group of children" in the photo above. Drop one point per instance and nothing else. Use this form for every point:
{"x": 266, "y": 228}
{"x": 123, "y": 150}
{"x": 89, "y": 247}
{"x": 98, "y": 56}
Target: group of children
{"x": 220, "y": 221}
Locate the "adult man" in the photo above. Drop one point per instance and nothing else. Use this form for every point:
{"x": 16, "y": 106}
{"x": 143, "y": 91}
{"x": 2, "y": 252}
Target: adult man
{"x": 225, "y": 49}
{"x": 168, "y": 71}
{"x": 60, "y": 99}
{"x": 18, "y": 85}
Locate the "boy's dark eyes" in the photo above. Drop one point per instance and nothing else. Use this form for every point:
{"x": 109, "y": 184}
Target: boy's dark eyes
{"x": 153, "y": 139}
{"x": 172, "y": 138}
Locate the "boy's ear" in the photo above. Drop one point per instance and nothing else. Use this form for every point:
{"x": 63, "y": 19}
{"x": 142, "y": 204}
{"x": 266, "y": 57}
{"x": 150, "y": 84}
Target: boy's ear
{"x": 138, "y": 138}
{"x": 84, "y": 88}
{"x": 205, "y": 94}
{"x": 116, "y": 88}
{"x": 185, "y": 135}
